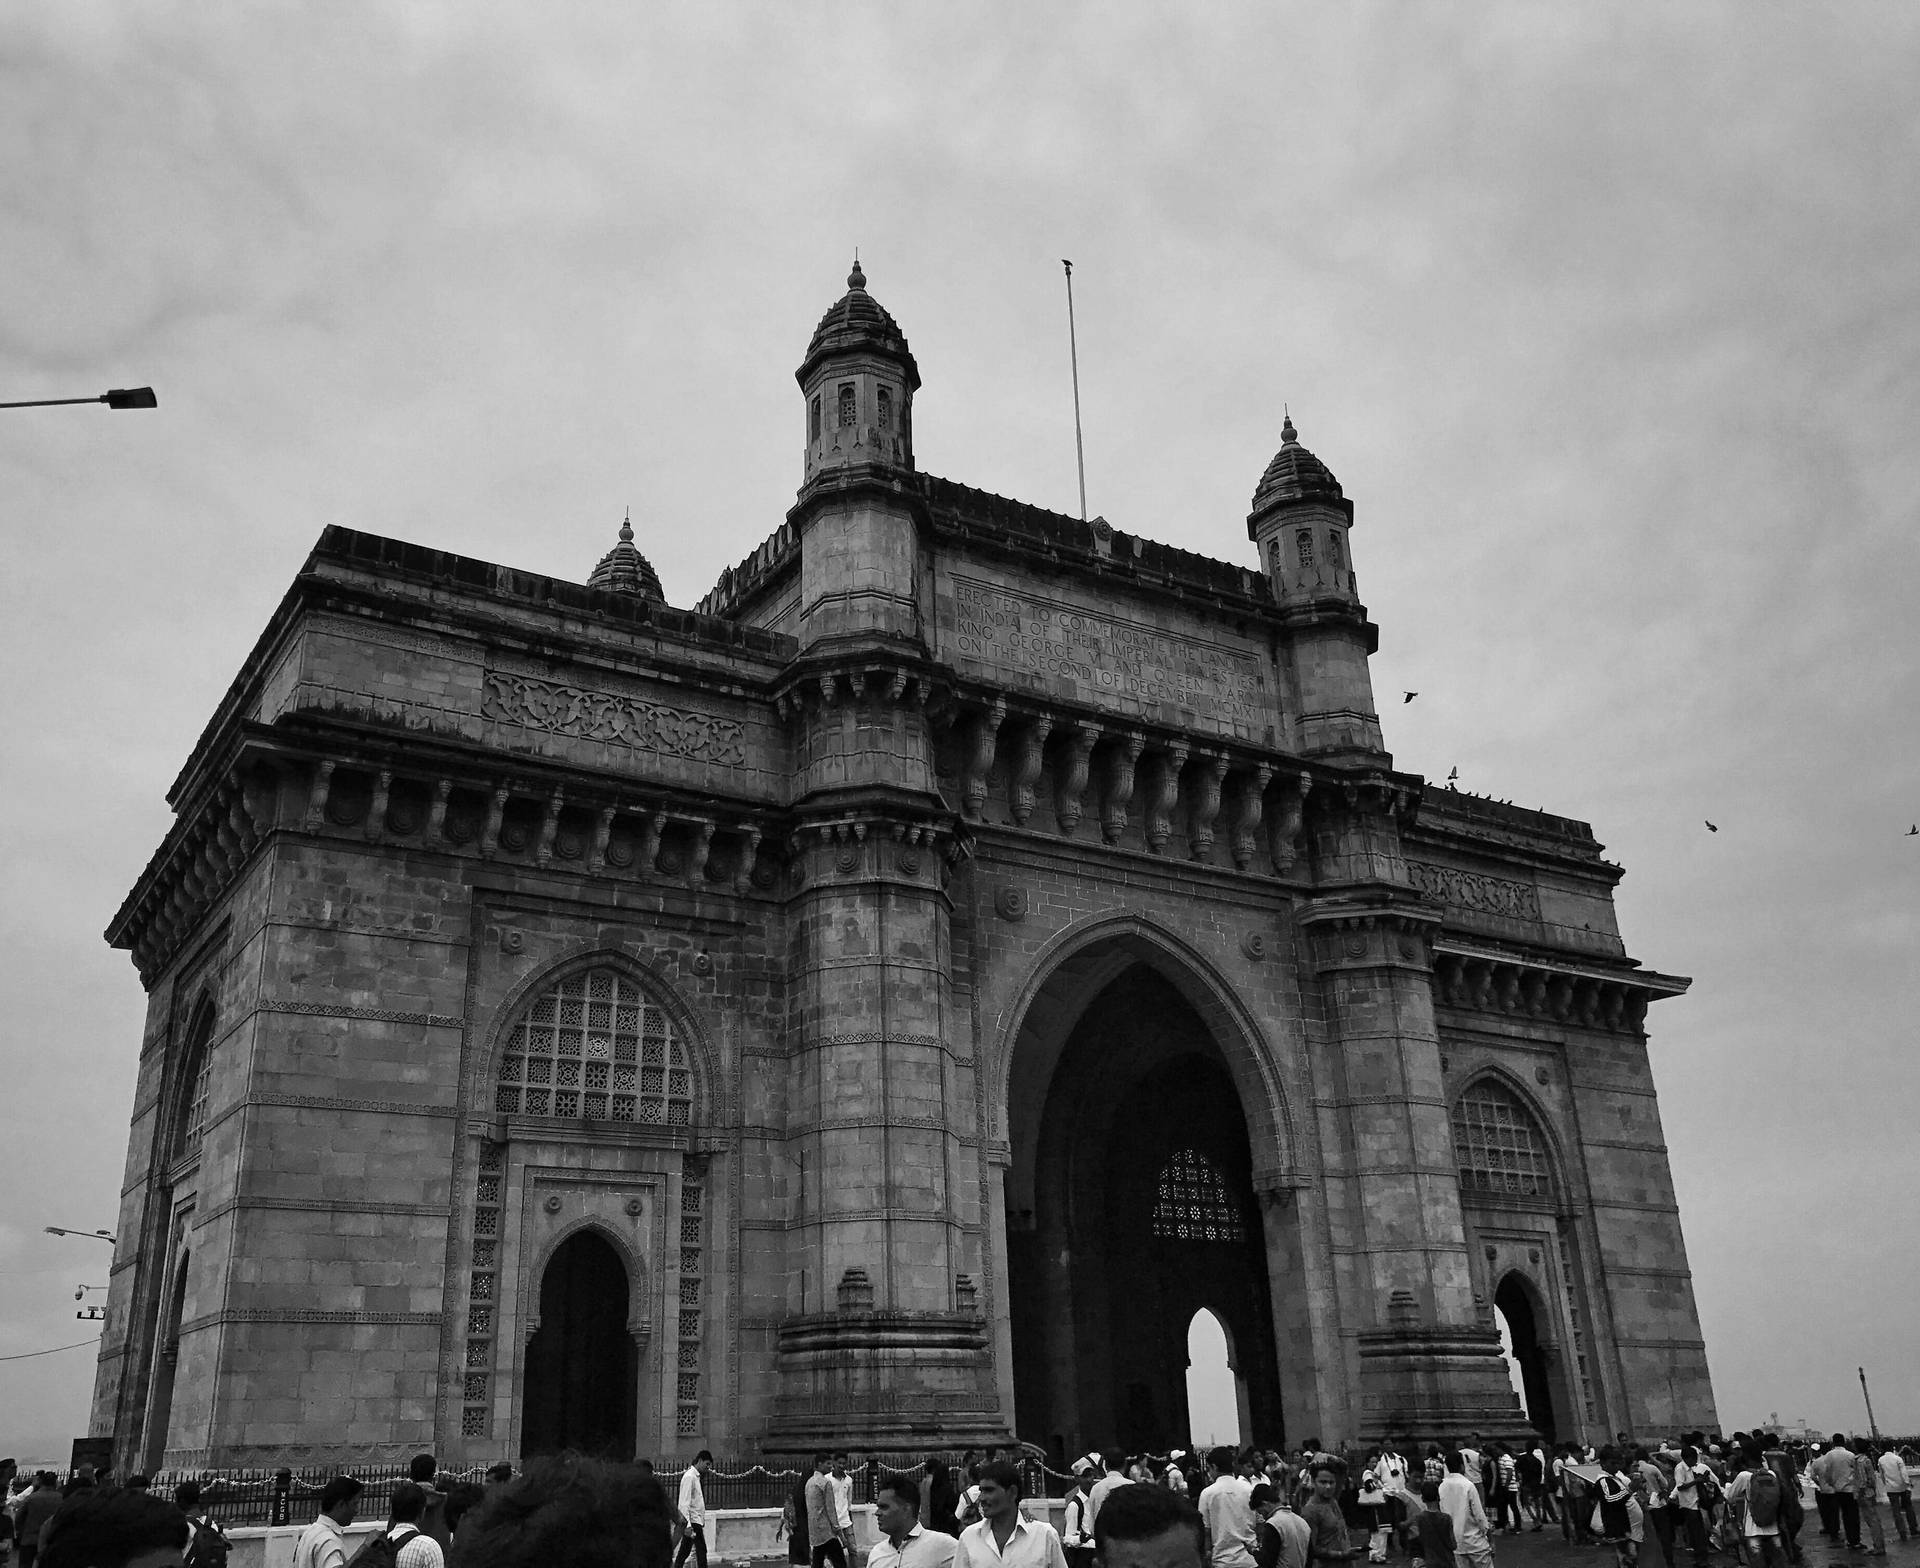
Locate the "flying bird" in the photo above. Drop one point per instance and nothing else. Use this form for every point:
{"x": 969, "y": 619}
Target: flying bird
{"x": 1914, "y": 831}
{"x": 1454, "y": 776}
{"x": 1711, "y": 828}
{"x": 1408, "y": 698}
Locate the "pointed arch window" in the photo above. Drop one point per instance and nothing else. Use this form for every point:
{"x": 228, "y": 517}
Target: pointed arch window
{"x": 846, "y": 404}
{"x": 1192, "y": 1202}
{"x": 886, "y": 409}
{"x": 198, "y": 1079}
{"x": 1500, "y": 1145}
{"x": 595, "y": 1045}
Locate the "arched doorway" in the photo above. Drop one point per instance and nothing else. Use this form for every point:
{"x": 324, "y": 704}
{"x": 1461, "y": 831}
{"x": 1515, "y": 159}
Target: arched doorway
{"x": 1136, "y": 1211}
{"x": 582, "y": 1363}
{"x": 166, "y": 1363}
{"x": 1514, "y": 1302}
{"x": 1215, "y": 1392}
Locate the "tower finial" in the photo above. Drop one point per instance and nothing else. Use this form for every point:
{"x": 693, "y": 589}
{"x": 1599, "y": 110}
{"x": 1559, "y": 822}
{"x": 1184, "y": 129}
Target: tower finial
{"x": 626, "y": 528}
{"x": 1288, "y": 434}
{"x": 856, "y": 279}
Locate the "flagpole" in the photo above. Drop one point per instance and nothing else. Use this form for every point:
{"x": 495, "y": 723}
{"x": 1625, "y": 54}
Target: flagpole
{"x": 1073, "y": 349}
{"x": 1872, "y": 1429}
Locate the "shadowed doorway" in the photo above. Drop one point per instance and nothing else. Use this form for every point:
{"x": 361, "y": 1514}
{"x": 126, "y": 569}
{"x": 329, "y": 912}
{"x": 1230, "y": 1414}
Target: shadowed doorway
{"x": 1143, "y": 1214}
{"x": 1514, "y": 1302}
{"x": 582, "y": 1363}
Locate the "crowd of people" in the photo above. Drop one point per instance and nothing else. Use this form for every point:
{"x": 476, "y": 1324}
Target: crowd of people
{"x": 1746, "y": 1497}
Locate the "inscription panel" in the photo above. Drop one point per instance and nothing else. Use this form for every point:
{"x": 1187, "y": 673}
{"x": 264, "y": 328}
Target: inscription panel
{"x": 613, "y": 719}
{"x": 1087, "y": 656}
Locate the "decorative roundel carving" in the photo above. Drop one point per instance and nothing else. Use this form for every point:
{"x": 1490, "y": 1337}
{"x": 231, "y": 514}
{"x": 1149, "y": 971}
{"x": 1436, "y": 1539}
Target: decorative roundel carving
{"x": 764, "y": 875}
{"x": 672, "y": 863}
{"x": 847, "y": 860}
{"x": 1492, "y": 1253}
{"x": 702, "y": 963}
{"x": 620, "y": 851}
{"x": 1254, "y": 945}
{"x": 1010, "y": 903}
{"x": 635, "y": 1208}
{"x": 1356, "y": 946}
{"x": 461, "y": 827}
{"x": 514, "y": 836}
{"x": 797, "y": 874}
{"x": 403, "y": 816}
{"x": 552, "y": 1205}
{"x": 910, "y": 862}
{"x": 1541, "y": 1075}
{"x": 1445, "y": 1065}
{"x": 346, "y": 804}
{"x": 569, "y": 845}
{"x": 1533, "y": 1254}
{"x": 1406, "y": 947}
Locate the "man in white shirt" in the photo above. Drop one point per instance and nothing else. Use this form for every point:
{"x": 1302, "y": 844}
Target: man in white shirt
{"x": 693, "y": 1509}
{"x": 1460, "y": 1501}
{"x": 841, "y": 1483}
{"x": 323, "y": 1544}
{"x": 1004, "y": 1537}
{"x": 1115, "y": 1464}
{"x": 1893, "y": 1473}
{"x": 905, "y": 1542}
{"x": 1226, "y": 1509}
{"x": 1471, "y": 1466}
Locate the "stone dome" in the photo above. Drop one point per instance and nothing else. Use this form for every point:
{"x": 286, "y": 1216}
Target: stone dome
{"x": 1295, "y": 474}
{"x": 623, "y": 569}
{"x": 855, "y": 322}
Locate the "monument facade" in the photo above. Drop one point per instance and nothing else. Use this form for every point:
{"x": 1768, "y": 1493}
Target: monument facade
{"x": 878, "y": 1006}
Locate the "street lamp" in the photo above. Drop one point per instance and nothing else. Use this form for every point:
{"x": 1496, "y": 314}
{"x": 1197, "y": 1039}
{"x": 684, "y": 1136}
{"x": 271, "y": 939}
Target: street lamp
{"x": 91, "y": 1235}
{"x": 119, "y": 397}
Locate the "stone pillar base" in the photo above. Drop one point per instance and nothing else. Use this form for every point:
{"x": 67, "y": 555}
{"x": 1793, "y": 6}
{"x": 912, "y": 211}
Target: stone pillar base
{"x": 1436, "y": 1385}
{"x": 886, "y": 1381}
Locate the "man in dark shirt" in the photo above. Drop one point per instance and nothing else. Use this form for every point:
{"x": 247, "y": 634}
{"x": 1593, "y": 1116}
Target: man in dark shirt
{"x": 42, "y": 1503}
{"x": 1332, "y": 1542}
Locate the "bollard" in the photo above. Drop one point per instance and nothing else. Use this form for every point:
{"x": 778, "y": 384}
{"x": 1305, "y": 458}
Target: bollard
{"x": 282, "y": 1510}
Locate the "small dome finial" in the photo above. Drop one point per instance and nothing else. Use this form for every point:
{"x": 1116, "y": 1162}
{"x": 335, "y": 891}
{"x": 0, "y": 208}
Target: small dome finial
{"x": 856, "y": 279}
{"x": 1288, "y": 435}
{"x": 626, "y": 528}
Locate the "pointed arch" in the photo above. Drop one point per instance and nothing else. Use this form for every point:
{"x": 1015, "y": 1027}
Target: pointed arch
{"x": 638, "y": 1293}
{"x": 665, "y": 1021}
{"x": 1502, "y": 1142}
{"x": 193, "y": 1086}
{"x": 1072, "y": 969}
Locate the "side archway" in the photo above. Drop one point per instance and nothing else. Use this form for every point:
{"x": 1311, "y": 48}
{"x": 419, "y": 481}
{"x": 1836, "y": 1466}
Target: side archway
{"x": 582, "y": 1362}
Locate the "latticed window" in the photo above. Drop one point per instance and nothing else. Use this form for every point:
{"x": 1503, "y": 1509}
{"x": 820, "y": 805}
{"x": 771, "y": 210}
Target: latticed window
{"x": 1303, "y": 545}
{"x": 886, "y": 409}
{"x": 1499, "y": 1144}
{"x": 596, "y": 1046}
{"x": 199, "y": 1060}
{"x": 1192, "y": 1202}
{"x": 846, "y": 404}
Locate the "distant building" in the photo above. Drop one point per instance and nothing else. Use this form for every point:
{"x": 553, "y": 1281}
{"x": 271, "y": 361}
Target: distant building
{"x": 880, "y": 1005}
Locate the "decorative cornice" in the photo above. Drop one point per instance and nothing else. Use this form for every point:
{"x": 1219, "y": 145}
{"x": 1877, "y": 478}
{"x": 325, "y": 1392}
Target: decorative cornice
{"x": 382, "y": 1015}
{"x": 1538, "y": 987}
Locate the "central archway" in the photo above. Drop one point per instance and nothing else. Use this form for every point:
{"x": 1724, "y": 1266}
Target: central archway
{"x": 581, "y": 1361}
{"x": 1514, "y": 1302}
{"x": 1131, "y": 1207}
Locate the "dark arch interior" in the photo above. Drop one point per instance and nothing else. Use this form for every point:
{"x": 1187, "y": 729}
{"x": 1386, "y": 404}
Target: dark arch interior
{"x": 582, "y": 1363}
{"x": 1101, "y": 1296}
{"x": 167, "y": 1353}
{"x": 1514, "y": 1302}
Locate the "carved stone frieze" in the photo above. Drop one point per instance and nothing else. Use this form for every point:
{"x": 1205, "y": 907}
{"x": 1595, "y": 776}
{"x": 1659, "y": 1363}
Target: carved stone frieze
{"x": 1476, "y": 891}
{"x": 616, "y": 719}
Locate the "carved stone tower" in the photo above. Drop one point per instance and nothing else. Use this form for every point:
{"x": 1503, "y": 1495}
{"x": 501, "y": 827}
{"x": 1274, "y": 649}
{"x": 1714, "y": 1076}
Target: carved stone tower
{"x": 1300, "y": 521}
{"x": 858, "y": 380}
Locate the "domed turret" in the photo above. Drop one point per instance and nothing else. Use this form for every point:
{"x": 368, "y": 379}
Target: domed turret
{"x": 858, "y": 379}
{"x": 1300, "y": 520}
{"x": 623, "y": 569}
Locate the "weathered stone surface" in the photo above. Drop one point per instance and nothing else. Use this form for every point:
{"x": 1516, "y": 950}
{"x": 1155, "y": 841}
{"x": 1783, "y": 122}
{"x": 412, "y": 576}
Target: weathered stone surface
{"x": 976, "y": 941}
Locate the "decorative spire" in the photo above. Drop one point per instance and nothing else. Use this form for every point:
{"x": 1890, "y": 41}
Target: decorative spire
{"x": 623, "y": 569}
{"x": 1288, "y": 435}
{"x": 856, "y": 279}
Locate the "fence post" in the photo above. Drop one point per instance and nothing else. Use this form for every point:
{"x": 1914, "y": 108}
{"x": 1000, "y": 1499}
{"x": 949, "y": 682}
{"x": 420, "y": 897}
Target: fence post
{"x": 282, "y": 1510}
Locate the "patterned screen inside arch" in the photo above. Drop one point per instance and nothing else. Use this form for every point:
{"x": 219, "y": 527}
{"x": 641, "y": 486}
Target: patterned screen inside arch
{"x": 596, "y": 1045}
{"x": 1499, "y": 1144}
{"x": 1192, "y": 1202}
{"x": 199, "y": 1060}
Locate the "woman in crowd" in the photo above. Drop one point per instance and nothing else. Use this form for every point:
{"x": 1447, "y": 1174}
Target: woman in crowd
{"x": 1622, "y": 1521}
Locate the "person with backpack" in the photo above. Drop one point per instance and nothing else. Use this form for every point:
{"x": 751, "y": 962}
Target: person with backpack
{"x": 403, "y": 1544}
{"x": 1622, "y": 1522}
{"x": 207, "y": 1546}
{"x": 1757, "y": 1499}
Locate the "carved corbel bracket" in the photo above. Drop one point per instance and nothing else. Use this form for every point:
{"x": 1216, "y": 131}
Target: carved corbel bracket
{"x": 1246, "y": 819}
{"x": 1028, "y": 759}
{"x": 983, "y": 728}
{"x": 1283, "y": 832}
{"x": 1070, "y": 789}
{"x": 1209, "y": 777}
{"x": 1122, "y": 759}
{"x": 1165, "y": 796}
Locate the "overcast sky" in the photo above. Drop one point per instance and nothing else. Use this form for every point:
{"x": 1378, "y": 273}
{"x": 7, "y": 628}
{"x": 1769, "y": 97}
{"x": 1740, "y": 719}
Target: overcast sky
{"x": 1604, "y": 315}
